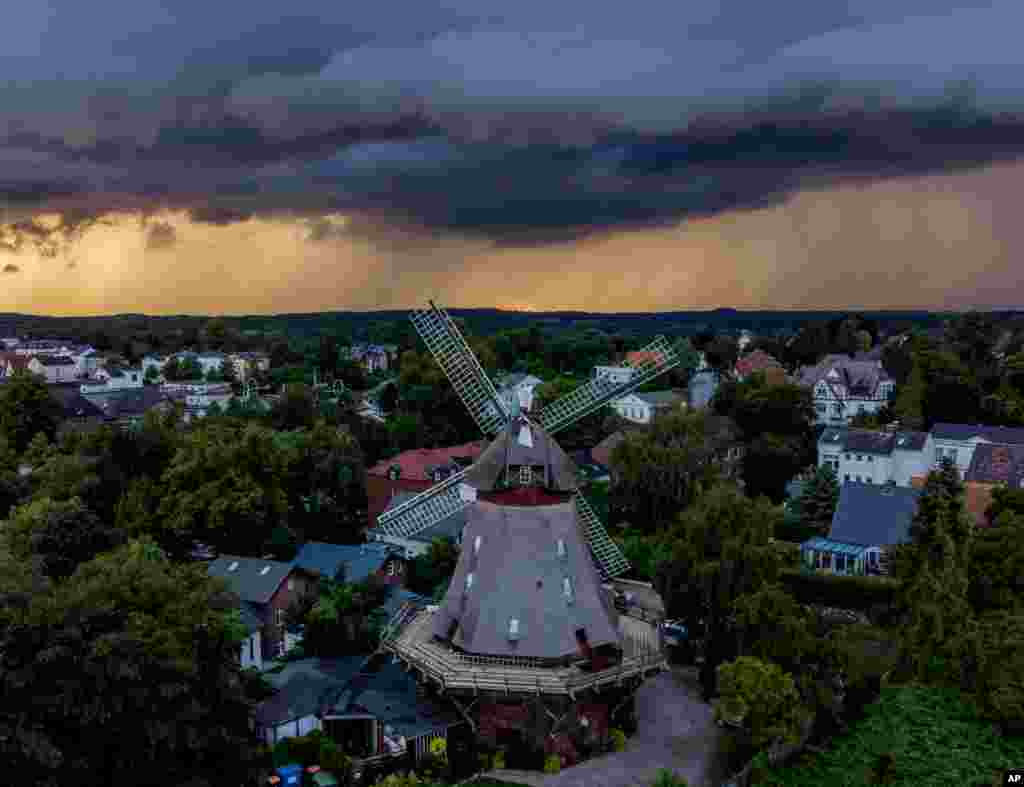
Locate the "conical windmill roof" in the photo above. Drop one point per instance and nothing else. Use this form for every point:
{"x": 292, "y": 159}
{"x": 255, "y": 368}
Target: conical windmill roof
{"x": 522, "y": 442}
{"x": 519, "y": 567}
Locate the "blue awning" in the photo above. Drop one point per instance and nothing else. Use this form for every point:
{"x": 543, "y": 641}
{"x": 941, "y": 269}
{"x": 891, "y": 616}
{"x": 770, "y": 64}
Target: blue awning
{"x": 820, "y": 544}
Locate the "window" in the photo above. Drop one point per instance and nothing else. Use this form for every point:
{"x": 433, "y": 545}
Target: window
{"x": 860, "y": 457}
{"x": 291, "y": 584}
{"x": 469, "y": 581}
{"x": 820, "y": 408}
{"x": 840, "y": 563}
{"x": 525, "y": 475}
{"x": 252, "y": 649}
{"x": 871, "y": 458}
{"x": 279, "y": 617}
{"x": 849, "y": 457}
{"x": 846, "y": 477}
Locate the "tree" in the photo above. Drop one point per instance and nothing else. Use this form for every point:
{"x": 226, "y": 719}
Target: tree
{"x": 151, "y": 376}
{"x": 434, "y": 569}
{"x": 721, "y": 549}
{"x": 26, "y": 409}
{"x": 587, "y": 431}
{"x": 294, "y": 410}
{"x": 760, "y": 698}
{"x": 388, "y": 399}
{"x": 721, "y": 354}
{"x": 996, "y": 556}
{"x": 994, "y": 668}
{"x": 215, "y": 374}
{"x": 770, "y": 462}
{"x": 58, "y": 536}
{"x": 819, "y": 499}
{"x": 659, "y": 471}
{"x": 329, "y": 357}
{"x": 163, "y": 694}
{"x": 224, "y": 487}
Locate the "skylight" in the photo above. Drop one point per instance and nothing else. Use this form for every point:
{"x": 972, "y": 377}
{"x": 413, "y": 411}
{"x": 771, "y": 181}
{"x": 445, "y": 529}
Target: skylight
{"x": 469, "y": 581}
{"x": 567, "y": 589}
{"x": 264, "y": 571}
{"x": 233, "y": 566}
{"x": 561, "y": 549}
{"x": 513, "y": 628}
{"x": 525, "y": 436}
{"x": 476, "y": 544}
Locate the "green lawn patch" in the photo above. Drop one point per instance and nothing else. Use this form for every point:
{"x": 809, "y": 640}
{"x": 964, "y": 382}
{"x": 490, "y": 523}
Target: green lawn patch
{"x": 933, "y": 734}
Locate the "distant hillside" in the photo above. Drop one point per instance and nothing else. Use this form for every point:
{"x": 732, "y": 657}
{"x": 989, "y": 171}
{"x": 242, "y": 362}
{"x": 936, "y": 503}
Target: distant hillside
{"x": 362, "y": 325}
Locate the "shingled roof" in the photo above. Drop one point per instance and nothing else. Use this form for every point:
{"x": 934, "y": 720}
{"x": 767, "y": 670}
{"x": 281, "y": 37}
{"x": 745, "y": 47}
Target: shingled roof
{"x": 417, "y": 463}
{"x": 995, "y": 463}
{"x": 523, "y": 443}
{"x": 519, "y": 572}
{"x": 994, "y": 434}
{"x": 254, "y": 580}
{"x": 873, "y": 514}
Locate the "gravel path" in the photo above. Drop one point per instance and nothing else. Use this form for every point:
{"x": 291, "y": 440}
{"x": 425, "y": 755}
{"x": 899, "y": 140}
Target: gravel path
{"x": 676, "y": 731}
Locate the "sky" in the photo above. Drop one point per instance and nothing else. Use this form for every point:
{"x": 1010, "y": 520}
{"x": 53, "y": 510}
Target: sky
{"x": 228, "y": 158}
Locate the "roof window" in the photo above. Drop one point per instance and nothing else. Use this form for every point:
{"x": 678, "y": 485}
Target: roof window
{"x": 562, "y": 554}
{"x": 476, "y": 544}
{"x": 567, "y": 590}
{"x": 233, "y": 565}
{"x": 264, "y": 571}
{"x": 513, "y": 629}
{"x": 469, "y": 581}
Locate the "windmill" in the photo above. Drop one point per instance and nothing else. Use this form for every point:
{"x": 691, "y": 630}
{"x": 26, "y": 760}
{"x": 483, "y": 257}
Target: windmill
{"x": 527, "y": 641}
{"x": 493, "y": 416}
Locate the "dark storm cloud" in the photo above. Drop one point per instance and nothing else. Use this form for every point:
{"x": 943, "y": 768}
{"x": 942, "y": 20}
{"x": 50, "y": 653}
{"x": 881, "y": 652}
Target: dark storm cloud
{"x": 11, "y": 268}
{"x": 531, "y": 123}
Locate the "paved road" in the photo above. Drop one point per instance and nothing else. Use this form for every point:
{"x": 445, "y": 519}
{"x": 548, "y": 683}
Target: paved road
{"x": 676, "y": 731}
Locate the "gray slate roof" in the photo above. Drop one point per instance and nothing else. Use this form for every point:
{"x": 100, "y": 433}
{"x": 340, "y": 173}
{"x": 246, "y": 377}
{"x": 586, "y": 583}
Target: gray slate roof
{"x": 304, "y": 687}
{"x": 449, "y": 527}
{"x": 73, "y": 404}
{"x": 518, "y": 574}
{"x": 873, "y": 515}
{"x": 388, "y": 692}
{"x": 55, "y": 360}
{"x": 994, "y": 463}
{"x": 248, "y": 579}
{"x": 994, "y": 434}
{"x": 250, "y": 617}
{"x": 359, "y": 560}
{"x": 507, "y": 450}
{"x": 129, "y": 403}
{"x": 861, "y": 378}
{"x": 868, "y": 441}
{"x": 661, "y": 398}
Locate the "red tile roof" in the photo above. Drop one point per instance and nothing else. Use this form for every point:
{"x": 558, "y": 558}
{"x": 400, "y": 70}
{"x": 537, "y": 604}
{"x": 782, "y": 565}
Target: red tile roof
{"x": 16, "y": 361}
{"x": 641, "y": 356}
{"x": 415, "y": 463}
{"x": 757, "y": 361}
{"x": 977, "y": 498}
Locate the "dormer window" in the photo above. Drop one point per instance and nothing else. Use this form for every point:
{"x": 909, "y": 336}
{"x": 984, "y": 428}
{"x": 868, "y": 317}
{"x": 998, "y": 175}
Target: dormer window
{"x": 469, "y": 581}
{"x": 525, "y": 475}
{"x": 513, "y": 629}
{"x": 561, "y": 549}
{"x": 233, "y": 566}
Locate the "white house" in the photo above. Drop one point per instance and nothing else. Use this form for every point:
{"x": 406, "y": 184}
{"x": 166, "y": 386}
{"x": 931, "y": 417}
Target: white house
{"x": 86, "y": 361}
{"x": 616, "y": 374}
{"x": 211, "y": 362}
{"x": 518, "y": 386}
{"x": 40, "y": 347}
{"x": 112, "y": 379}
{"x": 958, "y": 441}
{"x": 873, "y": 457}
{"x": 641, "y": 408}
{"x": 843, "y": 388}
{"x": 247, "y": 363}
{"x": 54, "y": 368}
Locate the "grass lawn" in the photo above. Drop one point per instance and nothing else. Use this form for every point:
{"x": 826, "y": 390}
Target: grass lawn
{"x": 933, "y": 734}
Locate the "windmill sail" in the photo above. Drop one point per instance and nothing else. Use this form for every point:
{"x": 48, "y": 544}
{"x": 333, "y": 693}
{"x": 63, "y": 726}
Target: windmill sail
{"x": 659, "y": 357}
{"x": 461, "y": 368}
{"x": 427, "y": 508}
{"x": 606, "y": 554}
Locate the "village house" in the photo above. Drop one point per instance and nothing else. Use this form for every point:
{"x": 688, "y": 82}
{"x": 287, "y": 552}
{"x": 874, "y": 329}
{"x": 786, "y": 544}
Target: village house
{"x": 372, "y": 357}
{"x": 112, "y": 378}
{"x": 518, "y": 387}
{"x": 413, "y": 471}
{"x": 958, "y": 442}
{"x": 127, "y": 407}
{"x": 641, "y": 408}
{"x": 843, "y": 388}
{"x": 54, "y": 368}
{"x": 12, "y": 362}
{"x": 40, "y": 347}
{"x": 266, "y": 589}
{"x": 992, "y": 465}
{"x": 78, "y": 414}
{"x": 352, "y": 563}
{"x": 869, "y": 520}
{"x": 450, "y": 527}
{"x": 760, "y": 362}
{"x": 246, "y": 364}
{"x": 875, "y": 457}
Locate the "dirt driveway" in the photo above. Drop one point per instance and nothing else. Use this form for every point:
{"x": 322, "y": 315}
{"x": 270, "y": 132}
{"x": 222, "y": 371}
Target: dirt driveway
{"x": 676, "y": 731}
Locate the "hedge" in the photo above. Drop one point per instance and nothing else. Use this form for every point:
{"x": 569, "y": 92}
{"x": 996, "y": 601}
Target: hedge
{"x": 835, "y": 590}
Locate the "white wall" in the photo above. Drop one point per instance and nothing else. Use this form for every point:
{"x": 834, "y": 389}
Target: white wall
{"x": 252, "y": 644}
{"x": 964, "y": 451}
{"x": 632, "y": 408}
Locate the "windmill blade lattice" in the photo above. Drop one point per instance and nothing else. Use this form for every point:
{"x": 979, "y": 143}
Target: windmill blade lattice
{"x": 461, "y": 368}
{"x": 659, "y": 357}
{"x": 607, "y": 555}
{"x": 425, "y": 509}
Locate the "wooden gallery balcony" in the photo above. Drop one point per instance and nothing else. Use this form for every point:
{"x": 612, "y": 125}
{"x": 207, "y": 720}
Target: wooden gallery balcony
{"x": 409, "y": 637}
